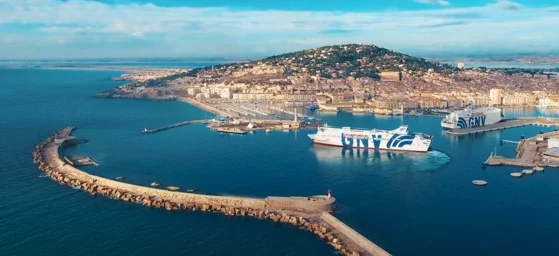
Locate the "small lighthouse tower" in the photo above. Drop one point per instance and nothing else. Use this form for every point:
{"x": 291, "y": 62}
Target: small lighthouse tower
{"x": 329, "y": 194}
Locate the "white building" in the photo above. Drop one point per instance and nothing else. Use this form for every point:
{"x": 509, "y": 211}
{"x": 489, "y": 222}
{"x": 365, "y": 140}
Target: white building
{"x": 548, "y": 103}
{"x": 496, "y": 96}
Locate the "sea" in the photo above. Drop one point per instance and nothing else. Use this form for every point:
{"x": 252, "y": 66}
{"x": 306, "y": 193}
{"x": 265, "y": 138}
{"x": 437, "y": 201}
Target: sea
{"x": 407, "y": 203}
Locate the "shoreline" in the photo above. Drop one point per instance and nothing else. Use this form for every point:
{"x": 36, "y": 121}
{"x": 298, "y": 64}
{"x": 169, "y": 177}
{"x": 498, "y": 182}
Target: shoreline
{"x": 308, "y": 213}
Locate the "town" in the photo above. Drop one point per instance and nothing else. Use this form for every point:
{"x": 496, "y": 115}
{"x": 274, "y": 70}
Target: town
{"x": 353, "y": 78}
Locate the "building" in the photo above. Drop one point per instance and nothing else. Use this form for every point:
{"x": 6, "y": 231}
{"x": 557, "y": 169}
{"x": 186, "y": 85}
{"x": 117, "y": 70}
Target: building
{"x": 391, "y": 76}
{"x": 549, "y": 102}
{"x": 496, "y": 97}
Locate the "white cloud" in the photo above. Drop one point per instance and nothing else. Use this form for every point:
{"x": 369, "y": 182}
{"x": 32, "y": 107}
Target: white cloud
{"x": 434, "y": 2}
{"x": 186, "y": 30}
{"x": 507, "y": 5}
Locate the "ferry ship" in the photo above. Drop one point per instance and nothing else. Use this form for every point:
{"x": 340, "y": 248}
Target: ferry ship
{"x": 471, "y": 117}
{"x": 398, "y": 139}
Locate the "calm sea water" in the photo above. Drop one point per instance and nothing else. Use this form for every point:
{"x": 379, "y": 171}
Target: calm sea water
{"x": 410, "y": 204}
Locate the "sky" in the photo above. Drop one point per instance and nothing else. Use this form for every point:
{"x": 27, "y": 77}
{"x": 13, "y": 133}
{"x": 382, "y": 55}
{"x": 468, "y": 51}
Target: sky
{"x": 63, "y": 29}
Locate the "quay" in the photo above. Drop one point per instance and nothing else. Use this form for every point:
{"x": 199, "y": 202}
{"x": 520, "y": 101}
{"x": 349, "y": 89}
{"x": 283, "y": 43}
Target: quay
{"x": 310, "y": 213}
{"x": 176, "y": 125}
{"x": 529, "y": 153}
{"x": 520, "y": 122}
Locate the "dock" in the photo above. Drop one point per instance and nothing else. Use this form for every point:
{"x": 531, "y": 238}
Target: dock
{"x": 310, "y": 213}
{"x": 508, "y": 124}
{"x": 176, "y": 125}
{"x": 528, "y": 153}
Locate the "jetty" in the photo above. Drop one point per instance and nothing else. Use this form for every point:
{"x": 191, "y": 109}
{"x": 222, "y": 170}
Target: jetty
{"x": 311, "y": 213}
{"x": 528, "y": 153}
{"x": 176, "y": 125}
{"x": 508, "y": 124}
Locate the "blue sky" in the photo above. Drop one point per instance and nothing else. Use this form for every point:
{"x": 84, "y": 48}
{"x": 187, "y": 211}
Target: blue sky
{"x": 32, "y": 29}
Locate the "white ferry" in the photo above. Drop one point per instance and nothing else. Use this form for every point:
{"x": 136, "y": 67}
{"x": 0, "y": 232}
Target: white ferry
{"x": 398, "y": 139}
{"x": 471, "y": 117}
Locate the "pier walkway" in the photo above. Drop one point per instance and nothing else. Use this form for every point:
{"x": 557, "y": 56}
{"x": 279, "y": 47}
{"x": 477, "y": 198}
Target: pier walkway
{"x": 176, "y": 125}
{"x": 308, "y": 213}
{"x": 520, "y": 122}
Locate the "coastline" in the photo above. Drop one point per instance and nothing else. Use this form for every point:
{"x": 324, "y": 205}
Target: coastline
{"x": 308, "y": 213}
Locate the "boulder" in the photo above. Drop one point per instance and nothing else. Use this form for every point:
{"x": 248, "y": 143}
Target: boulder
{"x": 284, "y": 218}
{"x": 293, "y": 220}
{"x": 168, "y": 206}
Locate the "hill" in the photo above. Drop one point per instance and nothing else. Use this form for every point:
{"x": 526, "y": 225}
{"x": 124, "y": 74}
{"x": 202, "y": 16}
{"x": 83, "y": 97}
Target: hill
{"x": 338, "y": 61}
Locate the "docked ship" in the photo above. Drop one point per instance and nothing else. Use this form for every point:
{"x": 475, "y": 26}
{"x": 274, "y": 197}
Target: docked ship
{"x": 471, "y": 117}
{"x": 398, "y": 139}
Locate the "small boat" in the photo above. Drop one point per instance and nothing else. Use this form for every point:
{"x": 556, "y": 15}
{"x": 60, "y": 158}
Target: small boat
{"x": 538, "y": 169}
{"x": 119, "y": 178}
{"x": 190, "y": 190}
{"x": 154, "y": 184}
{"x": 479, "y": 182}
{"x": 528, "y": 171}
{"x": 516, "y": 174}
{"x": 172, "y": 188}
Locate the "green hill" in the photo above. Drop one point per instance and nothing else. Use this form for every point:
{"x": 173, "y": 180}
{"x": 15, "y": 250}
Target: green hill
{"x": 339, "y": 61}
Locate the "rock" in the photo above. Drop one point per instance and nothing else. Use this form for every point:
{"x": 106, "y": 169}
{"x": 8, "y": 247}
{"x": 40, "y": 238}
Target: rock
{"x": 330, "y": 237}
{"x": 355, "y": 254}
{"x": 284, "y": 218}
{"x": 205, "y": 207}
{"x": 293, "y": 220}
{"x": 146, "y": 202}
{"x": 168, "y": 206}
{"x": 324, "y": 230}
{"x": 335, "y": 240}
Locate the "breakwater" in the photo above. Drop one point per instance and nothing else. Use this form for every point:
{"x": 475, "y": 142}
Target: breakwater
{"x": 175, "y": 126}
{"x": 308, "y": 213}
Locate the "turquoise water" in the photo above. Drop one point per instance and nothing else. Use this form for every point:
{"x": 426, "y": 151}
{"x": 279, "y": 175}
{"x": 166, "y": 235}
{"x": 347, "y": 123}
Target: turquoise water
{"x": 410, "y": 204}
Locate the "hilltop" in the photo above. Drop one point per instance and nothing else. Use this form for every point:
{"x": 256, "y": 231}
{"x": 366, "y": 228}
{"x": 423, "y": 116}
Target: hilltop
{"x": 338, "y": 61}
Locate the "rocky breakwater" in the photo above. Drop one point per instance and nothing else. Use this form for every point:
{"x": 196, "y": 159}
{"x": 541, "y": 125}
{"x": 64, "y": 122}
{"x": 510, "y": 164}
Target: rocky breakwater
{"x": 275, "y": 209}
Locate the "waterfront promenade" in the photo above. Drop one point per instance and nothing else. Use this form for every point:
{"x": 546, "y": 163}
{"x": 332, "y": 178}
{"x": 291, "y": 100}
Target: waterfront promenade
{"x": 308, "y": 213}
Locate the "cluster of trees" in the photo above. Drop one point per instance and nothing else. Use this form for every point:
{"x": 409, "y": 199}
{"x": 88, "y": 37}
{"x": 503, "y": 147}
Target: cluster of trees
{"x": 350, "y": 59}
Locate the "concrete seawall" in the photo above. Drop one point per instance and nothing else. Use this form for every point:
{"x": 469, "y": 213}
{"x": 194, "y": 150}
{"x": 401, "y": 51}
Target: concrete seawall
{"x": 363, "y": 242}
{"x": 305, "y": 212}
